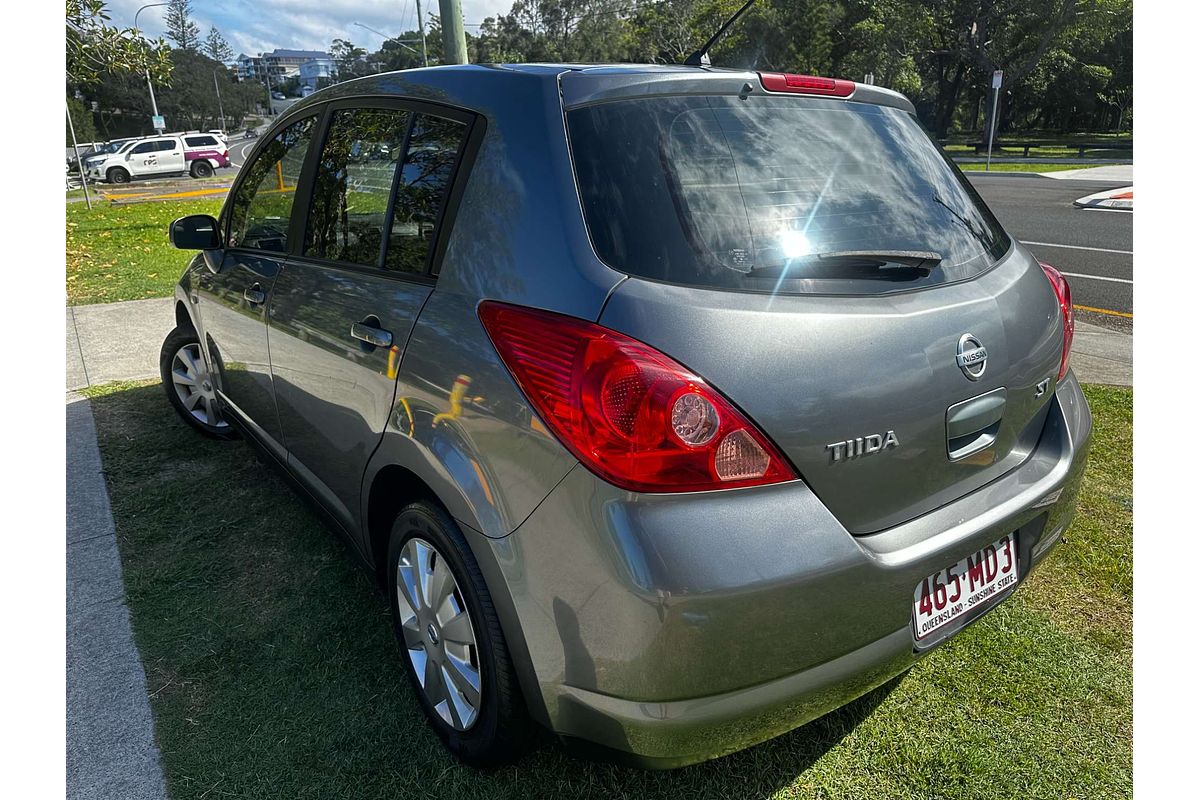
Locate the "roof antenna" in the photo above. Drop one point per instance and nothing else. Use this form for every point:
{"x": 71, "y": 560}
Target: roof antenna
{"x": 700, "y": 57}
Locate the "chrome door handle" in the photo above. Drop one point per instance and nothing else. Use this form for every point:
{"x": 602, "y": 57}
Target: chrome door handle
{"x": 255, "y": 296}
{"x": 373, "y": 336}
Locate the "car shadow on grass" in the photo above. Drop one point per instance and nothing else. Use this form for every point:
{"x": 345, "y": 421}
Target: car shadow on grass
{"x": 269, "y": 656}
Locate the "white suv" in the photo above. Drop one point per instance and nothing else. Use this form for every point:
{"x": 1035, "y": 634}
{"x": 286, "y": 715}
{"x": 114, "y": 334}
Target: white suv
{"x": 195, "y": 154}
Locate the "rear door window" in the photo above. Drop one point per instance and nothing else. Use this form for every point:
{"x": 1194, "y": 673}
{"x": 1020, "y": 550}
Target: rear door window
{"x": 433, "y": 152}
{"x": 747, "y": 194}
{"x": 380, "y": 186}
{"x": 353, "y": 185}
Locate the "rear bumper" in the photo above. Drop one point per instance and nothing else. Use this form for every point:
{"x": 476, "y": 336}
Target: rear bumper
{"x": 671, "y": 629}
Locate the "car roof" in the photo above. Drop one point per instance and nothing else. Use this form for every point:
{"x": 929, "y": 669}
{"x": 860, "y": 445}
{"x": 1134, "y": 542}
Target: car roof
{"x": 580, "y": 84}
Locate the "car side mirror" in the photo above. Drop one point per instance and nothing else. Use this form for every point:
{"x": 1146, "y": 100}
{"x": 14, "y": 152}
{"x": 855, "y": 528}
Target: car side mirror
{"x": 196, "y": 232}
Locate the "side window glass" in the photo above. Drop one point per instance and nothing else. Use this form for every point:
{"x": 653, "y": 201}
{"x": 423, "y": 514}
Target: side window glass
{"x": 261, "y": 209}
{"x": 428, "y": 167}
{"x": 353, "y": 183}
{"x": 167, "y": 145}
{"x": 145, "y": 147}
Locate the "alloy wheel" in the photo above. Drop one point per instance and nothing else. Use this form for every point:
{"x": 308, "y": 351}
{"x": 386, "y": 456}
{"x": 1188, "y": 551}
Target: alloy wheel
{"x": 438, "y": 634}
{"x": 194, "y": 386}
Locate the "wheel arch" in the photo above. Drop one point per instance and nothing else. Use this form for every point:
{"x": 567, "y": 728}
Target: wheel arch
{"x": 392, "y": 488}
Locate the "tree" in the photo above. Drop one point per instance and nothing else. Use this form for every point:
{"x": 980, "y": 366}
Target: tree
{"x": 351, "y": 60}
{"x": 94, "y": 47}
{"x": 180, "y": 28}
{"x": 216, "y": 48}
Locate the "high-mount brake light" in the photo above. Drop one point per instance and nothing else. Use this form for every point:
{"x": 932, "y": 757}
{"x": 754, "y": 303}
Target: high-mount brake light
{"x": 1062, "y": 291}
{"x": 805, "y": 84}
{"x": 629, "y": 413}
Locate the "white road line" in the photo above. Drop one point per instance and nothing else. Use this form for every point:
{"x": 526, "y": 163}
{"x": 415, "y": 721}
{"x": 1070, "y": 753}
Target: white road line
{"x": 1078, "y": 247}
{"x": 1097, "y": 278}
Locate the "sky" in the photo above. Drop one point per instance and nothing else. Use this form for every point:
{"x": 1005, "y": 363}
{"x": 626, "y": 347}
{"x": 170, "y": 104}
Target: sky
{"x": 256, "y": 26}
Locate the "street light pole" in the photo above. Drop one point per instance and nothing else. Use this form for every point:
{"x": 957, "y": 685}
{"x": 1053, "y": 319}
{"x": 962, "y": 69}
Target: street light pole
{"x": 220, "y": 106}
{"x": 149, "y": 84}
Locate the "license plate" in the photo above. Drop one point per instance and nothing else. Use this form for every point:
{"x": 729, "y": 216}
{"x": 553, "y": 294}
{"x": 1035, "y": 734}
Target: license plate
{"x": 965, "y": 587}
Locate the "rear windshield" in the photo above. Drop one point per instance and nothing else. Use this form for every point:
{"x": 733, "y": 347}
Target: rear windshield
{"x": 746, "y": 194}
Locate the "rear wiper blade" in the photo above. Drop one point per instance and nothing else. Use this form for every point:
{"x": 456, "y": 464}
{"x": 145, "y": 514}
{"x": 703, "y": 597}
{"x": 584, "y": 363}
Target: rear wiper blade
{"x": 923, "y": 261}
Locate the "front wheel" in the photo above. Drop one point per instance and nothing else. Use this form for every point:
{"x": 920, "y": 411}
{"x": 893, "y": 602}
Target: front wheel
{"x": 118, "y": 175}
{"x": 190, "y": 386}
{"x": 201, "y": 169}
{"x": 455, "y": 654}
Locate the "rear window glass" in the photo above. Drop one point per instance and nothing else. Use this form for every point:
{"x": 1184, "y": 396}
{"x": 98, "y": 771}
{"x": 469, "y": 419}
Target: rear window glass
{"x": 748, "y": 194}
{"x": 200, "y": 141}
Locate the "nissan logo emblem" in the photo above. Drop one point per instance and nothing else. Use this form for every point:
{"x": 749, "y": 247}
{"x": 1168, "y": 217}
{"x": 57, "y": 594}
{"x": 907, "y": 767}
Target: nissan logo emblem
{"x": 972, "y": 356}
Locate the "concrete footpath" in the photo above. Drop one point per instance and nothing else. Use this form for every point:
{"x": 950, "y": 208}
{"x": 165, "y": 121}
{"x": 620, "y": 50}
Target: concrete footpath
{"x": 121, "y": 341}
{"x": 110, "y": 732}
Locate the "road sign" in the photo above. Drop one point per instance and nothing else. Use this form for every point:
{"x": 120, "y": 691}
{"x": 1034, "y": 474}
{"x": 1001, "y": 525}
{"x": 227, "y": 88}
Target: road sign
{"x": 158, "y": 123}
{"x": 997, "y": 78}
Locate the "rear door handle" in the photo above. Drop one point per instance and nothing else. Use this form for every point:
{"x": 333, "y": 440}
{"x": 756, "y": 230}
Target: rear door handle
{"x": 371, "y": 335}
{"x": 255, "y": 295}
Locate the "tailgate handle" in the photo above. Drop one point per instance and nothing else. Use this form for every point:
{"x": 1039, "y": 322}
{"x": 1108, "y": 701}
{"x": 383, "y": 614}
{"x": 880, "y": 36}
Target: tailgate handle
{"x": 972, "y": 425}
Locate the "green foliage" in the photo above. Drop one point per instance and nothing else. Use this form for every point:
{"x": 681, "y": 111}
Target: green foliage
{"x": 1067, "y": 63}
{"x": 216, "y": 48}
{"x": 94, "y": 47}
{"x": 180, "y": 28}
{"x": 85, "y": 128}
{"x": 189, "y": 103}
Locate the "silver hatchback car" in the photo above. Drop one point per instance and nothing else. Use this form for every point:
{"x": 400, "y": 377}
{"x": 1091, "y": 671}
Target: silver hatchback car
{"x": 672, "y": 407}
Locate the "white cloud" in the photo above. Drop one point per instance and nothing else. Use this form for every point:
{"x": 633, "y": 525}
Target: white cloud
{"x": 254, "y": 26}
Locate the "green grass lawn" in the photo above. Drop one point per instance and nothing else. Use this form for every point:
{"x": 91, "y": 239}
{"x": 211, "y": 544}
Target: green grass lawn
{"x": 272, "y": 671}
{"x": 998, "y": 167}
{"x": 121, "y": 252}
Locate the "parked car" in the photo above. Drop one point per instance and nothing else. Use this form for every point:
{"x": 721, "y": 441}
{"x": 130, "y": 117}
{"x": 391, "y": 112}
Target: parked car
{"x": 197, "y": 155}
{"x": 671, "y": 428}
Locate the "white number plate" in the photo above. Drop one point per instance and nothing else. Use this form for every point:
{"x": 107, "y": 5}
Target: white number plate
{"x": 964, "y": 587}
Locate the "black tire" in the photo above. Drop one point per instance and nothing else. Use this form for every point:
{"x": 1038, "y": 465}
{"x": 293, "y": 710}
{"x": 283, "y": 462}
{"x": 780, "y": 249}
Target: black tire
{"x": 201, "y": 169}
{"x": 118, "y": 175}
{"x": 502, "y": 731}
{"x": 176, "y": 341}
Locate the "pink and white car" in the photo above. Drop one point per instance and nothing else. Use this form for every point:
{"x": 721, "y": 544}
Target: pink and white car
{"x": 196, "y": 154}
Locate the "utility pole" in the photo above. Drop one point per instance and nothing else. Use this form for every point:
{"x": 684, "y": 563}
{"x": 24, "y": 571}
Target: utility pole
{"x": 270, "y": 100}
{"x": 454, "y": 40}
{"x": 425, "y": 52}
{"x": 82, "y": 172}
{"x": 220, "y": 106}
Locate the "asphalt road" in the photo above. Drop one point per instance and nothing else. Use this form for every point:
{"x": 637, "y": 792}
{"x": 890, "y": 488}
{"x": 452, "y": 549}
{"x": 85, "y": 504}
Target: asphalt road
{"x": 1093, "y": 248}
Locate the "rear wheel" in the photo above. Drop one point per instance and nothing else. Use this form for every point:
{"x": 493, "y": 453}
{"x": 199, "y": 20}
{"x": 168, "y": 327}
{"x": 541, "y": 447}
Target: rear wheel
{"x": 189, "y": 385}
{"x": 118, "y": 175}
{"x": 201, "y": 169}
{"x": 455, "y": 654}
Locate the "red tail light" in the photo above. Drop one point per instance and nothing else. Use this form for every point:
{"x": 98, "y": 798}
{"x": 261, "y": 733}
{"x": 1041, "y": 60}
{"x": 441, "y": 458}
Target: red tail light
{"x": 1063, "y": 292}
{"x": 629, "y": 413}
{"x": 805, "y": 84}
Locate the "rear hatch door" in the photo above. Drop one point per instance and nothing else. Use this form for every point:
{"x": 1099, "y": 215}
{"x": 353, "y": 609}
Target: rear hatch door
{"x": 894, "y": 387}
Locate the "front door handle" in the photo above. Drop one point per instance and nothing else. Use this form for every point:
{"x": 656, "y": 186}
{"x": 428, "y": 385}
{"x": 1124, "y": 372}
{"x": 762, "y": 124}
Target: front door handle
{"x": 255, "y": 295}
{"x": 377, "y": 337}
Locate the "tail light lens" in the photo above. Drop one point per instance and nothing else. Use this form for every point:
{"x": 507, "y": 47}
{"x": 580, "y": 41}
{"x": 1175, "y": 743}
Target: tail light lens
{"x": 629, "y": 413}
{"x": 805, "y": 84}
{"x": 1063, "y": 292}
